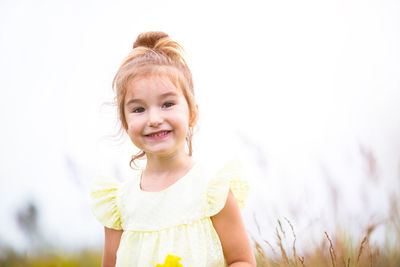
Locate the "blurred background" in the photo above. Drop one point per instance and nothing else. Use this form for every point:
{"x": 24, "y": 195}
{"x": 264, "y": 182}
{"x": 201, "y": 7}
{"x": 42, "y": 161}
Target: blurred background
{"x": 305, "y": 93}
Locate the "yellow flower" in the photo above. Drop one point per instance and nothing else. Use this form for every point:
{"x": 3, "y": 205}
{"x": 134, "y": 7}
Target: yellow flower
{"x": 171, "y": 261}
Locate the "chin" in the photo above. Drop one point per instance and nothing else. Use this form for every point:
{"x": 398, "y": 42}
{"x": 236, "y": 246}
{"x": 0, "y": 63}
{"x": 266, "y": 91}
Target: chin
{"x": 163, "y": 152}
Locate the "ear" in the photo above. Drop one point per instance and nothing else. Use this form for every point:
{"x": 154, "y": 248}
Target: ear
{"x": 194, "y": 115}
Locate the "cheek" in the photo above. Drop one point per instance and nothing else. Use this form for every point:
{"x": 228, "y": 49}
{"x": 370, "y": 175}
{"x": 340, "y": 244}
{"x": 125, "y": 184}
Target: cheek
{"x": 133, "y": 125}
{"x": 183, "y": 119}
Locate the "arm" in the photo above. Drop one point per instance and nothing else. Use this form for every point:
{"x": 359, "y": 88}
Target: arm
{"x": 232, "y": 233}
{"x": 112, "y": 238}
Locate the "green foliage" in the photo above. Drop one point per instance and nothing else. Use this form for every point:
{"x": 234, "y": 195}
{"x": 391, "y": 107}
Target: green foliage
{"x": 87, "y": 258}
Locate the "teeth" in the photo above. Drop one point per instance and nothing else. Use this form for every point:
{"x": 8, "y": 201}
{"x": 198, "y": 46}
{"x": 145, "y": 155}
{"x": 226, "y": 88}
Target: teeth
{"x": 158, "y": 134}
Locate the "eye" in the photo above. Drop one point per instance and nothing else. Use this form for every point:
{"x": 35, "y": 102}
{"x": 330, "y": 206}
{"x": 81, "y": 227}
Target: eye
{"x": 168, "y": 105}
{"x": 138, "y": 110}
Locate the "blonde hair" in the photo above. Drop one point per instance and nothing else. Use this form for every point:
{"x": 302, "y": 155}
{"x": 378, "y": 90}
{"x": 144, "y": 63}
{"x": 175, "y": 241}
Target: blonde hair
{"x": 155, "y": 53}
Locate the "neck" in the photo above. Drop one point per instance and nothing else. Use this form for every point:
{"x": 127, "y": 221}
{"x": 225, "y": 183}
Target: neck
{"x": 168, "y": 164}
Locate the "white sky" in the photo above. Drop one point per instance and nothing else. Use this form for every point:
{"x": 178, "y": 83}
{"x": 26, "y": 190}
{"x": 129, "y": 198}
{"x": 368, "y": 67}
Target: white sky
{"x": 299, "y": 83}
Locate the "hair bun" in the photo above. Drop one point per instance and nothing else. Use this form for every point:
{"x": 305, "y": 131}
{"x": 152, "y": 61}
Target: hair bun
{"x": 149, "y": 39}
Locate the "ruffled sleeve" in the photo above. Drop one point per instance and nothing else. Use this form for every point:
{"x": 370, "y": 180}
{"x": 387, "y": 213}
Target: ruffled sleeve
{"x": 229, "y": 177}
{"x": 104, "y": 201}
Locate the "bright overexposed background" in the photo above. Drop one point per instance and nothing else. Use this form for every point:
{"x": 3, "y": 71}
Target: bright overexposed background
{"x": 305, "y": 93}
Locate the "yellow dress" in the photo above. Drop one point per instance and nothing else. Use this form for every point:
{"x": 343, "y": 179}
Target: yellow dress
{"x": 175, "y": 221}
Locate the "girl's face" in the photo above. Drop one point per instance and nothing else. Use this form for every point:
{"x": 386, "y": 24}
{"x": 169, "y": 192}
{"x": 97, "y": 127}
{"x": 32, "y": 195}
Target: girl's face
{"x": 157, "y": 115}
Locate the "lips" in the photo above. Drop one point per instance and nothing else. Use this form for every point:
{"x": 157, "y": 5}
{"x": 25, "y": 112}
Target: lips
{"x": 158, "y": 135}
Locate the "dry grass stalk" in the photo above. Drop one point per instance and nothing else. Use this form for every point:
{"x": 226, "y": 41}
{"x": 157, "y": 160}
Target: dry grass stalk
{"x": 285, "y": 257}
{"x": 371, "y": 162}
{"x": 331, "y": 250}
{"x": 269, "y": 244}
{"x": 294, "y": 237}
{"x": 301, "y": 259}
{"x": 280, "y": 226}
{"x": 344, "y": 262}
{"x": 257, "y": 224}
{"x": 370, "y": 256}
{"x": 257, "y": 245}
{"x": 261, "y": 254}
{"x": 363, "y": 242}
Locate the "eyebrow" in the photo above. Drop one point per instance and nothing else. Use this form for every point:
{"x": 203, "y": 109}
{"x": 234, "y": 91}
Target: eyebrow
{"x": 138, "y": 100}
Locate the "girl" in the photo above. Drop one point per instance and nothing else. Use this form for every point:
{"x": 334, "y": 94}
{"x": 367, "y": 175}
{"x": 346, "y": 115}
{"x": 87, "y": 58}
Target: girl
{"x": 174, "y": 210}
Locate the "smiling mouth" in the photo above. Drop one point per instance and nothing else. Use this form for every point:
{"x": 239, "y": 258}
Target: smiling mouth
{"x": 158, "y": 135}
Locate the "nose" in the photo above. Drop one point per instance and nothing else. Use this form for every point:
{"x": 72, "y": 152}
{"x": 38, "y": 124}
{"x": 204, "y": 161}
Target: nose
{"x": 155, "y": 118}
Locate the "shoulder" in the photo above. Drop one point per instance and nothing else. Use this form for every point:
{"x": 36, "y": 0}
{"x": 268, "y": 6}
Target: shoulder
{"x": 105, "y": 200}
{"x": 227, "y": 178}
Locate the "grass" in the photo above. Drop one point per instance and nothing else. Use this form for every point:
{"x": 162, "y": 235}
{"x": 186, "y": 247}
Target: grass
{"x": 335, "y": 251}
{"x": 338, "y": 249}
{"x": 87, "y": 258}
